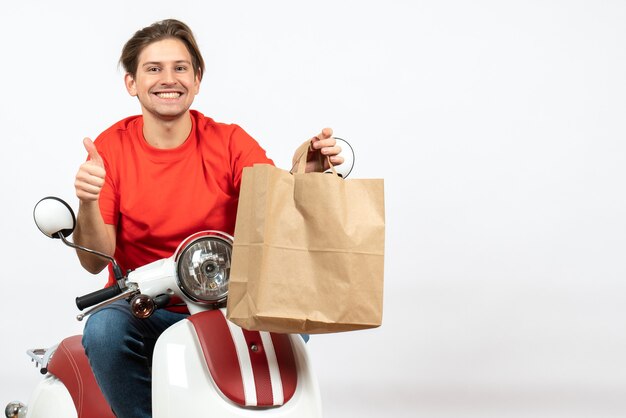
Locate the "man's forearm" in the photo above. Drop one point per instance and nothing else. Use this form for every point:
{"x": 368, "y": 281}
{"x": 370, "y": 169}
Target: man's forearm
{"x": 93, "y": 233}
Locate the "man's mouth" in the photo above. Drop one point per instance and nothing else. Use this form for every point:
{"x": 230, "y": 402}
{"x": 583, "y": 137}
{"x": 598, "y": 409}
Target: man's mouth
{"x": 169, "y": 95}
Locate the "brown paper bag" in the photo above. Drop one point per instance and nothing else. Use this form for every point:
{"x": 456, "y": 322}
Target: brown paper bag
{"x": 308, "y": 252}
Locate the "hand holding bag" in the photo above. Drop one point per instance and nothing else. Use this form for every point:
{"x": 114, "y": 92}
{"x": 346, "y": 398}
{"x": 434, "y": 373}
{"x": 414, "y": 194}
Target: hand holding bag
{"x": 308, "y": 252}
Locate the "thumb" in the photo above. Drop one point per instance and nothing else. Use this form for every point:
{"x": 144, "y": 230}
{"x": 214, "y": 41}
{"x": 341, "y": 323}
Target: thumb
{"x": 92, "y": 151}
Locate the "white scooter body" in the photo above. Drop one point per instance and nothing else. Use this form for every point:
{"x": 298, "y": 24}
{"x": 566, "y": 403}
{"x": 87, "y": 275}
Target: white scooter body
{"x": 183, "y": 386}
{"x": 185, "y": 382}
{"x": 51, "y": 399}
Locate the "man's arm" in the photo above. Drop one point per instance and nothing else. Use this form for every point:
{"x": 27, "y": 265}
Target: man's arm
{"x": 91, "y": 231}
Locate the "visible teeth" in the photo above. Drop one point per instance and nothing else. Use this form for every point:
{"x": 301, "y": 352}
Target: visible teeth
{"x": 168, "y": 95}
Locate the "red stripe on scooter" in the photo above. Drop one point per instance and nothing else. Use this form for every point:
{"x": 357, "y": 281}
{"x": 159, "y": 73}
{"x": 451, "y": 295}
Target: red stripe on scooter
{"x": 260, "y": 368}
{"x": 220, "y": 353}
{"x": 286, "y": 364}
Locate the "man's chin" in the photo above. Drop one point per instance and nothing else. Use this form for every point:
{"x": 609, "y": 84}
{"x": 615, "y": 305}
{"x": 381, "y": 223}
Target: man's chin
{"x": 169, "y": 115}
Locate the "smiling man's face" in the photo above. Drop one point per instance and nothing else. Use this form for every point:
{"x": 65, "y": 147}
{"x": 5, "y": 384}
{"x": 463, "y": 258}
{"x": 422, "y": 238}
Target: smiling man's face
{"x": 166, "y": 83}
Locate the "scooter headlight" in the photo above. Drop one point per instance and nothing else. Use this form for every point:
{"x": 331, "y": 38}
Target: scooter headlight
{"x": 203, "y": 266}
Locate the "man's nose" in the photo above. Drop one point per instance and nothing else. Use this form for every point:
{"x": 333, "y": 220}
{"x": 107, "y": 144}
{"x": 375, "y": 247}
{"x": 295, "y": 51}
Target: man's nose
{"x": 168, "y": 76}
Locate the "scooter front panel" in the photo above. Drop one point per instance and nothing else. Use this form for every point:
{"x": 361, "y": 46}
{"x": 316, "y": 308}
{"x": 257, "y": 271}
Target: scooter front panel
{"x": 182, "y": 384}
{"x": 246, "y": 362}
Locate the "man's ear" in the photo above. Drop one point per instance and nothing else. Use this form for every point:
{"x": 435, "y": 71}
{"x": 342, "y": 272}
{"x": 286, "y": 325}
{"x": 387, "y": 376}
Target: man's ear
{"x": 131, "y": 87}
{"x": 198, "y": 80}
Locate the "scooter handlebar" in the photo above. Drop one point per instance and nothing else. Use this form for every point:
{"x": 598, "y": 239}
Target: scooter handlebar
{"x": 98, "y": 296}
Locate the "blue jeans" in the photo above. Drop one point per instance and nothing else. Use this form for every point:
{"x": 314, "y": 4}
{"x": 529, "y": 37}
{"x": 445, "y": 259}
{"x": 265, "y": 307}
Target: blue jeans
{"x": 119, "y": 348}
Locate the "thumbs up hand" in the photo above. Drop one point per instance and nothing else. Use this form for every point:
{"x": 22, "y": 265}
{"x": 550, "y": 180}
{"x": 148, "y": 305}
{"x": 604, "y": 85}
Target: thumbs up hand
{"x": 90, "y": 177}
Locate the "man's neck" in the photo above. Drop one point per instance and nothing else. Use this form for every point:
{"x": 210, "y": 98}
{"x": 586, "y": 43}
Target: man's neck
{"x": 166, "y": 134}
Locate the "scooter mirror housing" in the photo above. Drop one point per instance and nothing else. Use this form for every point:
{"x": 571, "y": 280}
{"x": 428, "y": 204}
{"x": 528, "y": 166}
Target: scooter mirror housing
{"x": 54, "y": 217}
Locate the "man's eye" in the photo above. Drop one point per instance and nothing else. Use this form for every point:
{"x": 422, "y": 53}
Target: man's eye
{"x": 153, "y": 69}
{"x": 181, "y": 68}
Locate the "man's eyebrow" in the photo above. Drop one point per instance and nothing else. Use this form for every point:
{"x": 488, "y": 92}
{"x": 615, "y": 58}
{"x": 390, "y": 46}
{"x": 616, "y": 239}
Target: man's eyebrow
{"x": 161, "y": 62}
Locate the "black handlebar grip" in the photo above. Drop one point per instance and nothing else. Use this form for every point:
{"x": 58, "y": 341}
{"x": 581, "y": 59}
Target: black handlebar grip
{"x": 98, "y": 296}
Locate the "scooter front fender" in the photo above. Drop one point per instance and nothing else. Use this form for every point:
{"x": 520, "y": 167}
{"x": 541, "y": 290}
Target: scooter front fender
{"x": 182, "y": 384}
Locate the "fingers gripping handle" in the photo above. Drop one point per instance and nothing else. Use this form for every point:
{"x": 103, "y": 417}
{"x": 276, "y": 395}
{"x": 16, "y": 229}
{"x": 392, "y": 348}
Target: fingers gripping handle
{"x": 302, "y": 153}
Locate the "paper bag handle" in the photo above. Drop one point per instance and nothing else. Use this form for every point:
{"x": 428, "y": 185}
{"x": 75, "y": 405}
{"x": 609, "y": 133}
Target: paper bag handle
{"x": 302, "y": 152}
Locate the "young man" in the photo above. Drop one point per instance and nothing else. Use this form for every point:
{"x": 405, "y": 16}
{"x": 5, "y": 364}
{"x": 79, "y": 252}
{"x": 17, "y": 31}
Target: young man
{"x": 149, "y": 182}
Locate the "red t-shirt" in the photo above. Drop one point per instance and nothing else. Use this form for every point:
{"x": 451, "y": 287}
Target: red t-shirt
{"x": 156, "y": 198}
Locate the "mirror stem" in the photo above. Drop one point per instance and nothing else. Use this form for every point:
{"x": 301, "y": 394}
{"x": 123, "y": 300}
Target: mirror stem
{"x": 117, "y": 271}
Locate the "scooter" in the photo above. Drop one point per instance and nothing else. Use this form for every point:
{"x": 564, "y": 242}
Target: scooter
{"x": 203, "y": 366}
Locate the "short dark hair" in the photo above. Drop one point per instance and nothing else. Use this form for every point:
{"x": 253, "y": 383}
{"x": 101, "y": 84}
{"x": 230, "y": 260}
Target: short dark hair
{"x": 164, "y": 29}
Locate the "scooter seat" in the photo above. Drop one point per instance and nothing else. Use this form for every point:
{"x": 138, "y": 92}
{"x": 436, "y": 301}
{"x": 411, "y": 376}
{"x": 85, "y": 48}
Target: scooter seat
{"x": 251, "y": 368}
{"x": 69, "y": 363}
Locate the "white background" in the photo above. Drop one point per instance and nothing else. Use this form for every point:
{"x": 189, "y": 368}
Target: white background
{"x": 498, "y": 127}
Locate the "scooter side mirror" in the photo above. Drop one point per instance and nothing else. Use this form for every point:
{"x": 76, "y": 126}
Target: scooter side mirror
{"x": 54, "y": 217}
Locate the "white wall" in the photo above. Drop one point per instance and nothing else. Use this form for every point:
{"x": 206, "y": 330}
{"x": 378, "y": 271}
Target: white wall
{"x": 498, "y": 127}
